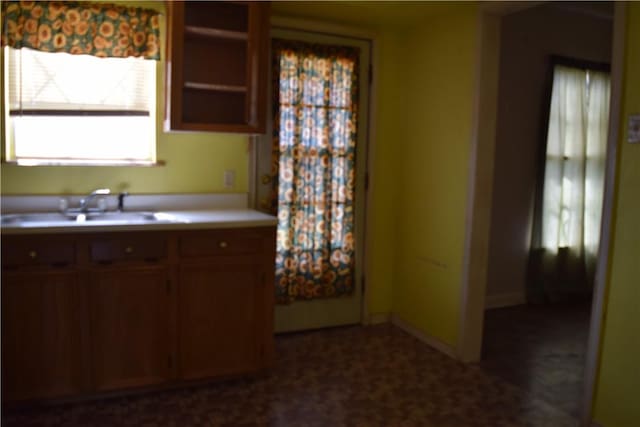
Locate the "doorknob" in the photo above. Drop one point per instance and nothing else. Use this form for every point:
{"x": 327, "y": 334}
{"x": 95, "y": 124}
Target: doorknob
{"x": 266, "y": 179}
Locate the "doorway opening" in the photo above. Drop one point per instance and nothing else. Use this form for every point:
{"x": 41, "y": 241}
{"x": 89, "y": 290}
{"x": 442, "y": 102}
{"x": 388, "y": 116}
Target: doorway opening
{"x": 536, "y": 333}
{"x": 327, "y": 190}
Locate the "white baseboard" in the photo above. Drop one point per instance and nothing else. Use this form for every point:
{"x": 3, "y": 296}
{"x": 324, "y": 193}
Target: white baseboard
{"x": 427, "y": 339}
{"x": 378, "y": 318}
{"x": 507, "y": 299}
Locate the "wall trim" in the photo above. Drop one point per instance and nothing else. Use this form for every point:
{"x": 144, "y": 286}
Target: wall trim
{"x": 379, "y": 318}
{"x": 473, "y": 282}
{"x": 432, "y": 342}
{"x": 252, "y": 165}
{"x": 592, "y": 360}
{"x": 506, "y": 299}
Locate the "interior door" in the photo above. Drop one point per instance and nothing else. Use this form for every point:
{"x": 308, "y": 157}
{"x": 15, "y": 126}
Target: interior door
{"x": 319, "y": 313}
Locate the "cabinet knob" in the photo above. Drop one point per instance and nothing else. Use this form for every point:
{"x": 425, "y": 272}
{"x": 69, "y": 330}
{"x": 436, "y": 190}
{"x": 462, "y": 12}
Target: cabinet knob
{"x": 223, "y": 244}
{"x": 128, "y": 250}
{"x": 33, "y": 254}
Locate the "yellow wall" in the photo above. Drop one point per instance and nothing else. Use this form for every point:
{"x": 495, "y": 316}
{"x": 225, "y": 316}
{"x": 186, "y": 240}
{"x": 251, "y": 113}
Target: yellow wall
{"x": 432, "y": 162}
{"x": 384, "y": 180}
{"x": 617, "y": 403}
{"x": 195, "y": 164}
{"x": 422, "y": 131}
{"x": 420, "y": 161}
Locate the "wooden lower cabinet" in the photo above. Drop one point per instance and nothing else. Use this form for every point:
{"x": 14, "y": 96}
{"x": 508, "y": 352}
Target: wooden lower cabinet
{"x": 219, "y": 326}
{"x": 85, "y": 314}
{"x": 130, "y": 344}
{"x": 41, "y": 335}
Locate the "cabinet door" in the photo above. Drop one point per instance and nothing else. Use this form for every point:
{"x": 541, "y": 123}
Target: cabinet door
{"x": 129, "y": 327}
{"x": 41, "y": 335}
{"x": 219, "y": 331}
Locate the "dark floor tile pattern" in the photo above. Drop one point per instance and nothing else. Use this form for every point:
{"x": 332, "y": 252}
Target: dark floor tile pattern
{"x": 541, "y": 349}
{"x": 354, "y": 376}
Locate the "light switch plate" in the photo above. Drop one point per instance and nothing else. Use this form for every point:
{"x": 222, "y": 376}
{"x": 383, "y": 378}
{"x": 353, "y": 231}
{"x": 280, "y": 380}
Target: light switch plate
{"x": 633, "y": 133}
{"x": 229, "y": 178}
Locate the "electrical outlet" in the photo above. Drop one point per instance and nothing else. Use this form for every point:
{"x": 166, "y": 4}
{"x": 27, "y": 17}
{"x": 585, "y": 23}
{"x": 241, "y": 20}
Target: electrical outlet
{"x": 229, "y": 178}
{"x": 633, "y": 135}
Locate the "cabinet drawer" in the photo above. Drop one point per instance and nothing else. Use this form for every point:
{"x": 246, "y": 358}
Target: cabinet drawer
{"x": 128, "y": 249}
{"x": 219, "y": 243}
{"x": 38, "y": 253}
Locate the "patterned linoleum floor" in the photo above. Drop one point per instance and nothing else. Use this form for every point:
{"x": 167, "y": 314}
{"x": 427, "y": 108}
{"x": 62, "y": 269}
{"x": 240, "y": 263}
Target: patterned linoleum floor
{"x": 541, "y": 349}
{"x": 354, "y": 376}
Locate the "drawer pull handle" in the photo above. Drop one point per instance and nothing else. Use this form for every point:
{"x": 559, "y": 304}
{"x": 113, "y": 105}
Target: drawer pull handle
{"x": 33, "y": 254}
{"x": 128, "y": 250}
{"x": 223, "y": 244}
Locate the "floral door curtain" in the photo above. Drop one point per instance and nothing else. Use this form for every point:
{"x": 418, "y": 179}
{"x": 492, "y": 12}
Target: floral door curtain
{"x": 315, "y": 109}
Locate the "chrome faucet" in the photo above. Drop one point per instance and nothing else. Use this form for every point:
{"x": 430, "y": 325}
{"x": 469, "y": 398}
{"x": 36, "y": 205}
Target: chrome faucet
{"x": 84, "y": 202}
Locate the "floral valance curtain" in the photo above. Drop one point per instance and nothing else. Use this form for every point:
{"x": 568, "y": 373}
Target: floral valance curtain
{"x": 97, "y": 29}
{"x": 315, "y": 121}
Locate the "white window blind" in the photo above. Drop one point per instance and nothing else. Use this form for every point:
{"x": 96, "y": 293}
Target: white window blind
{"x": 79, "y": 109}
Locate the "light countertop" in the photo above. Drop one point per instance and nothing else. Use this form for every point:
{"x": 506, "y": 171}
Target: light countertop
{"x": 166, "y": 220}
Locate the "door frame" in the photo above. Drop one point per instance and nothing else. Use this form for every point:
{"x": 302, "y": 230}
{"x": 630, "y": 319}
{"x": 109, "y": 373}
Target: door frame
{"x": 480, "y": 184}
{"x": 335, "y": 30}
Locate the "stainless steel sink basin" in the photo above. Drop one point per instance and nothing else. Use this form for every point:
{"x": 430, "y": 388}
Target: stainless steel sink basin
{"x": 119, "y": 217}
{"x": 32, "y": 218}
{"x": 52, "y": 219}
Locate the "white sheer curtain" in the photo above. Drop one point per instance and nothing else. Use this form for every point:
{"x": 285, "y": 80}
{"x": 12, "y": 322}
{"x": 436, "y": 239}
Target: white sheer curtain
{"x": 574, "y": 169}
{"x": 597, "y": 129}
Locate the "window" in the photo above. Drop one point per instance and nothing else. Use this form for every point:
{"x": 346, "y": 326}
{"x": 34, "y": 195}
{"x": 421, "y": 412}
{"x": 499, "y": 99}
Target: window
{"x": 78, "y": 109}
{"x": 575, "y": 160}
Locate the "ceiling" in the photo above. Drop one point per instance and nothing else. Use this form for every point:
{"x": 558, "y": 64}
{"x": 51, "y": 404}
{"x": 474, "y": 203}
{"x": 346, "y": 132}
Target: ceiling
{"x": 406, "y": 14}
{"x": 365, "y": 14}
{"x": 596, "y": 9}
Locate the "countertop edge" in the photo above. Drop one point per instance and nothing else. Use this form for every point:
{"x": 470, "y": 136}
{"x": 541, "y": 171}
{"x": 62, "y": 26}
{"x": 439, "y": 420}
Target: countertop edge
{"x": 246, "y": 219}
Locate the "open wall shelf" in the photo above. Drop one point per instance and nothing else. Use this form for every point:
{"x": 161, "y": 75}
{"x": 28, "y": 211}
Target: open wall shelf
{"x": 217, "y": 66}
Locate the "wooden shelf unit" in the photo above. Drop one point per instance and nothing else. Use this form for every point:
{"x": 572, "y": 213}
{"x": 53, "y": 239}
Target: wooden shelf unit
{"x": 215, "y": 33}
{"x": 217, "y": 66}
{"x": 212, "y": 87}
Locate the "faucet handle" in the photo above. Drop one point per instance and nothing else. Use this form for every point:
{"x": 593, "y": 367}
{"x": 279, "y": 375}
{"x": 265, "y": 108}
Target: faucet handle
{"x": 63, "y": 205}
{"x": 121, "y": 197}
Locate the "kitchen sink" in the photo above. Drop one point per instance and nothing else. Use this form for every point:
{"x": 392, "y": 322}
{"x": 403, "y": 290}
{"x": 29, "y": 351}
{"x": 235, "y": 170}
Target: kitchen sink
{"x": 98, "y": 218}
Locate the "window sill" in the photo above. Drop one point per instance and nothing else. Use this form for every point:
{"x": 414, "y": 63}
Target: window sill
{"x": 32, "y": 163}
